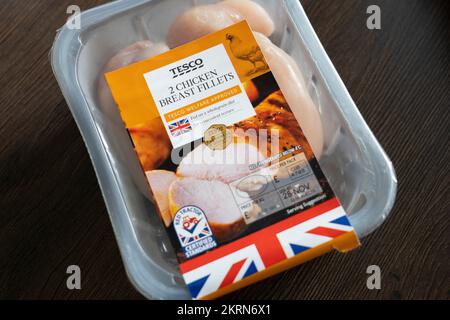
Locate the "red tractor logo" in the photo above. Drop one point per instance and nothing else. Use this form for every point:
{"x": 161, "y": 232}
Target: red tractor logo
{"x": 189, "y": 223}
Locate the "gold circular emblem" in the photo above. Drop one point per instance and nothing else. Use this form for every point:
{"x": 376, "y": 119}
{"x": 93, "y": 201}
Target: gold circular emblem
{"x": 217, "y": 137}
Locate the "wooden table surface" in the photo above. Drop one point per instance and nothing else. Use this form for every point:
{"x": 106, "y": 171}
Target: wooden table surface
{"x": 52, "y": 213}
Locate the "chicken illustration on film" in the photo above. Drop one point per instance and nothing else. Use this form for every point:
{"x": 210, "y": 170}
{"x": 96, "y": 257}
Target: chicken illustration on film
{"x": 285, "y": 120}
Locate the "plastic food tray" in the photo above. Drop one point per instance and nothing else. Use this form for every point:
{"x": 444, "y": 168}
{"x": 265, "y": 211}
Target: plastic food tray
{"x": 358, "y": 169}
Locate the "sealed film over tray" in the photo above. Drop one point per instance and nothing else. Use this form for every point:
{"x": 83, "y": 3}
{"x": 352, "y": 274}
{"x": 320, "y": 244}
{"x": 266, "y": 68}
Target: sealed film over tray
{"x": 226, "y": 151}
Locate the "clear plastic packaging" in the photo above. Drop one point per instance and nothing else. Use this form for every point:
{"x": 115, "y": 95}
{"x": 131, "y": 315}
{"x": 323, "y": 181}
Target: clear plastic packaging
{"x": 355, "y": 164}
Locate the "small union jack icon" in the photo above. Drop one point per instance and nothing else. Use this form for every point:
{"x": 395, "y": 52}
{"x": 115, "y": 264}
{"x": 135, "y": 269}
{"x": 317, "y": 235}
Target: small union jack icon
{"x": 180, "y": 127}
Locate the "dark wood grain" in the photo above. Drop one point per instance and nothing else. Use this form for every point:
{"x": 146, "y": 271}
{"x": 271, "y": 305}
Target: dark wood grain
{"x": 52, "y": 213}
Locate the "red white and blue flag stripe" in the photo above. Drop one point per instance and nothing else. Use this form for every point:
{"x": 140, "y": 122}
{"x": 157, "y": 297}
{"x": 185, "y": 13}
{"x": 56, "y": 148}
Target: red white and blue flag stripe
{"x": 233, "y": 262}
{"x": 179, "y": 127}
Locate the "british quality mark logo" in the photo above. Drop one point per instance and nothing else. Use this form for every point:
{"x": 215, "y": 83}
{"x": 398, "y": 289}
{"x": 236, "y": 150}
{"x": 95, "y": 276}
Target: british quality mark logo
{"x": 193, "y": 231}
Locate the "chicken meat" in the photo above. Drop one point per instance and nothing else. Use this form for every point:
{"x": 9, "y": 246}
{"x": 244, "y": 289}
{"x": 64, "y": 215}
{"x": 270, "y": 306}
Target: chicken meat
{"x": 227, "y": 165}
{"x": 136, "y": 52}
{"x": 274, "y": 119}
{"x": 202, "y": 20}
{"x": 151, "y": 141}
{"x": 215, "y": 200}
{"x": 160, "y": 181}
{"x": 293, "y": 86}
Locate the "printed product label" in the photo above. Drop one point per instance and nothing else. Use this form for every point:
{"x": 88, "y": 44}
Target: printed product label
{"x": 193, "y": 93}
{"x": 283, "y": 184}
{"x": 235, "y": 181}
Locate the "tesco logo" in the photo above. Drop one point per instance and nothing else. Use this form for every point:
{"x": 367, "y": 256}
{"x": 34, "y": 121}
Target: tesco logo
{"x": 187, "y": 67}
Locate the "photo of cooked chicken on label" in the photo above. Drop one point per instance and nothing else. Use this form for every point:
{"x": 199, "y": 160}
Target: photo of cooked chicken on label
{"x": 254, "y": 179}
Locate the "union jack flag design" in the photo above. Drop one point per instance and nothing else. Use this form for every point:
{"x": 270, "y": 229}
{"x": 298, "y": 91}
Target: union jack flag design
{"x": 258, "y": 251}
{"x": 224, "y": 271}
{"x": 194, "y": 237}
{"x": 180, "y": 127}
